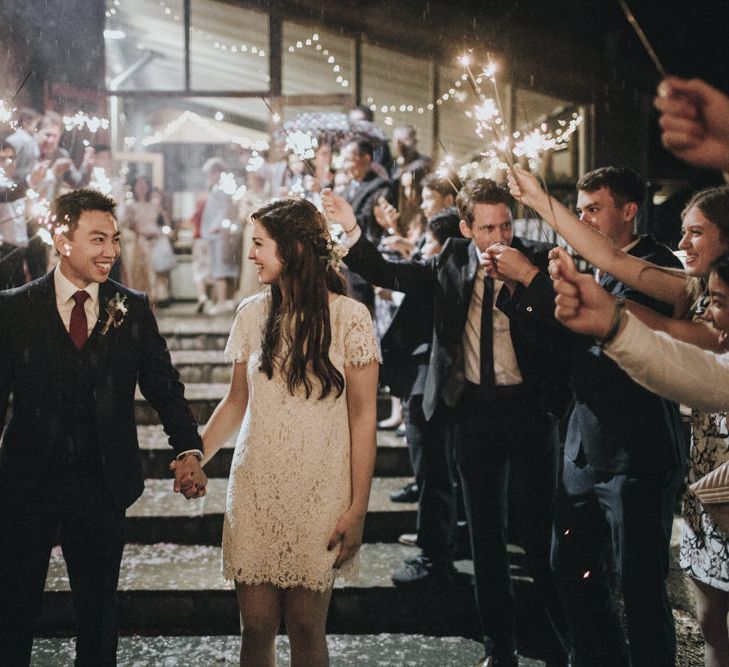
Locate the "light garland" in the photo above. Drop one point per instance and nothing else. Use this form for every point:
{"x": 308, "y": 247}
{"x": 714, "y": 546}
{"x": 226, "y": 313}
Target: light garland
{"x": 191, "y": 116}
{"x": 80, "y": 119}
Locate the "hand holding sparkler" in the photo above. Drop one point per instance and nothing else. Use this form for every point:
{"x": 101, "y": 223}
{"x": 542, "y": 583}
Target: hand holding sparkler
{"x": 525, "y": 187}
{"x": 694, "y": 122}
{"x": 581, "y": 304}
{"x": 338, "y": 210}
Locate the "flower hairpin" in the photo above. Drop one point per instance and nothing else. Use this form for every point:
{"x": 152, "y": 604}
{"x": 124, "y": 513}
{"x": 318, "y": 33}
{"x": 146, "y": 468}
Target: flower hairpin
{"x": 116, "y": 309}
{"x": 336, "y": 252}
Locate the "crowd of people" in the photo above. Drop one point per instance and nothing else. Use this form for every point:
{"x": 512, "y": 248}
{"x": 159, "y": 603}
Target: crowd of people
{"x": 461, "y": 314}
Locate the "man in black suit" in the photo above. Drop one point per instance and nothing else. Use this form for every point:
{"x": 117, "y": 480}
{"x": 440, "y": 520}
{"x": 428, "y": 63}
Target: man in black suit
{"x": 624, "y": 461}
{"x": 494, "y": 368}
{"x": 73, "y": 346}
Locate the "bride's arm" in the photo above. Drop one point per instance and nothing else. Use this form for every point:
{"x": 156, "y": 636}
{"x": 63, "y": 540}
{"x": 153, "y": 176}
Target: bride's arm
{"x": 227, "y": 417}
{"x": 664, "y": 284}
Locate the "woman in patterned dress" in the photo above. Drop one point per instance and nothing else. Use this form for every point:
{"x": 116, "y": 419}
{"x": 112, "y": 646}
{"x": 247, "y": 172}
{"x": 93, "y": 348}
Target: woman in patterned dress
{"x": 704, "y": 553}
{"x": 304, "y": 388}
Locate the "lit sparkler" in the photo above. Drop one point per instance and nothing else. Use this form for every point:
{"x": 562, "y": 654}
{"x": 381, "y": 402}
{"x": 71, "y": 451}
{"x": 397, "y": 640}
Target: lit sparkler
{"x": 80, "y": 120}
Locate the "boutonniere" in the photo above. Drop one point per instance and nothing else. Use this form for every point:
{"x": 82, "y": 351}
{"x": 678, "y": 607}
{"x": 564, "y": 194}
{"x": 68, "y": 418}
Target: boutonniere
{"x": 116, "y": 309}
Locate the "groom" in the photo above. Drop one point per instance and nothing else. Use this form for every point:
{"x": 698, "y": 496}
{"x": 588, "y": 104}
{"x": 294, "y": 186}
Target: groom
{"x": 73, "y": 346}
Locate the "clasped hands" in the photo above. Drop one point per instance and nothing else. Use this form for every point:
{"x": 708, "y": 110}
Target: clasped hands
{"x": 190, "y": 480}
{"x": 508, "y": 264}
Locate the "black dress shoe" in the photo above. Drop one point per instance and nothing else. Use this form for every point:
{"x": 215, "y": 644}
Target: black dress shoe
{"x": 410, "y": 493}
{"x": 421, "y": 571}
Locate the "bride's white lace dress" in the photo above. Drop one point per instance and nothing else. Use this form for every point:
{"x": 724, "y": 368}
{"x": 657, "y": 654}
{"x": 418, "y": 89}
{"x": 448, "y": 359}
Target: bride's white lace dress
{"x": 290, "y": 479}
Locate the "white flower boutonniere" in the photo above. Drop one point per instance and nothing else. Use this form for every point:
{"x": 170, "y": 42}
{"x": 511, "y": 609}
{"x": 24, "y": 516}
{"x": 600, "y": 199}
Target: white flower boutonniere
{"x": 116, "y": 309}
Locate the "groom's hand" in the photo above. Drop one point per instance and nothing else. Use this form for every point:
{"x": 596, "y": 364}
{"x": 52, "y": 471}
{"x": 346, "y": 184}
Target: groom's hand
{"x": 190, "y": 480}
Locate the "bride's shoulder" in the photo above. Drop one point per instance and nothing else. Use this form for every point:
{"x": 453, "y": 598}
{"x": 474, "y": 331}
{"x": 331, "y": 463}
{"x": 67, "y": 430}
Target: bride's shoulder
{"x": 252, "y": 303}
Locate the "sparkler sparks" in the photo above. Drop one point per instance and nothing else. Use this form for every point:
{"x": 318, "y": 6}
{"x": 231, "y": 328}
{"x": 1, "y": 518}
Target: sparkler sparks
{"x": 301, "y": 144}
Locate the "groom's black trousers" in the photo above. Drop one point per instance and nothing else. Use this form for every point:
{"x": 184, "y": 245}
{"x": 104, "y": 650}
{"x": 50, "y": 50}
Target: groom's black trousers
{"x": 71, "y": 507}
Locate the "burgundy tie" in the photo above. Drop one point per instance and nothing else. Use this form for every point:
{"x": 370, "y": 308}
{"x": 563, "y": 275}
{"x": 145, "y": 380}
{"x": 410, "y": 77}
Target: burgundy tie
{"x": 78, "y": 328}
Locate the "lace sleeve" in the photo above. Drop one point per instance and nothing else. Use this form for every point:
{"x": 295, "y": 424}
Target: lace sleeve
{"x": 245, "y": 326}
{"x": 360, "y": 343}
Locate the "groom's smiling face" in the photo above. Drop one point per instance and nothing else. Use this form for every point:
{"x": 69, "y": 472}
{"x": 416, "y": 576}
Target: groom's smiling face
{"x": 89, "y": 250}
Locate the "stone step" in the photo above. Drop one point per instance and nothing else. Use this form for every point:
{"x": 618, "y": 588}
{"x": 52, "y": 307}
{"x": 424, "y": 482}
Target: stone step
{"x": 203, "y": 397}
{"x": 174, "y": 589}
{"x": 393, "y": 459}
{"x": 163, "y": 516}
{"x": 384, "y": 650}
{"x": 195, "y": 333}
{"x": 201, "y": 366}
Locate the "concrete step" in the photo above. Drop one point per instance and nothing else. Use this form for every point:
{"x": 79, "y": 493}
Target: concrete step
{"x": 203, "y": 397}
{"x": 393, "y": 459}
{"x": 163, "y": 516}
{"x": 384, "y": 650}
{"x": 174, "y": 589}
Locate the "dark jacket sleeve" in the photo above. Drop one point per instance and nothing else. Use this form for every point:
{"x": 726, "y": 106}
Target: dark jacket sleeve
{"x": 6, "y": 360}
{"x": 403, "y": 276}
{"x": 160, "y": 384}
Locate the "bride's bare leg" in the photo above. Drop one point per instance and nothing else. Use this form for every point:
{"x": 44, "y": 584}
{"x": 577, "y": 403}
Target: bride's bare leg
{"x": 305, "y": 617}
{"x": 260, "y": 614}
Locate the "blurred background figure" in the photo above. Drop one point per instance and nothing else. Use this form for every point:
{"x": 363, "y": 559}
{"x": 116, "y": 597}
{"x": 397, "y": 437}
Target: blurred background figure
{"x": 152, "y": 257}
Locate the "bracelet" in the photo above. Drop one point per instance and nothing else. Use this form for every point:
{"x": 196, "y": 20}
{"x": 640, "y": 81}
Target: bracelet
{"x": 193, "y": 452}
{"x": 349, "y": 231}
{"x": 617, "y": 320}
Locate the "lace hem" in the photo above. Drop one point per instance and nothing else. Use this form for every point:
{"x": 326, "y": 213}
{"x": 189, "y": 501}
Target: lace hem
{"x": 349, "y": 572}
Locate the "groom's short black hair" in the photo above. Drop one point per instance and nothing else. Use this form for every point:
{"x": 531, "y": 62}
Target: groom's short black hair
{"x": 67, "y": 209}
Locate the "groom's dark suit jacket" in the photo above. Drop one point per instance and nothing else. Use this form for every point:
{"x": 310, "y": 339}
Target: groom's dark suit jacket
{"x": 449, "y": 277}
{"x": 31, "y": 333}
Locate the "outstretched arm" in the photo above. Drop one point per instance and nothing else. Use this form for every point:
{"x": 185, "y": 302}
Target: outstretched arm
{"x": 663, "y": 284}
{"x": 361, "y": 382}
{"x": 675, "y": 369}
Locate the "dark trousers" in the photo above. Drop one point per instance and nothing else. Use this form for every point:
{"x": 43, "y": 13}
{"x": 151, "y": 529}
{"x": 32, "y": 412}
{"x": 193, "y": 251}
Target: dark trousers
{"x": 509, "y": 441}
{"x": 433, "y": 442}
{"x": 616, "y": 524}
{"x": 76, "y": 511}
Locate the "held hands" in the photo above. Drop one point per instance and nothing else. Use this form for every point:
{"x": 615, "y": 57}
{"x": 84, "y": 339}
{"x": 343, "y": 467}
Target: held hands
{"x": 694, "y": 122}
{"x": 190, "y": 480}
{"x": 581, "y": 304}
{"x": 338, "y": 210}
{"x": 348, "y": 535}
{"x": 508, "y": 264}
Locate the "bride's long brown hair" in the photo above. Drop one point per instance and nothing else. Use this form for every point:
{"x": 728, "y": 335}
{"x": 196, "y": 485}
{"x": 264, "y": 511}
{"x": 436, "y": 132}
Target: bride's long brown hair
{"x": 297, "y": 334}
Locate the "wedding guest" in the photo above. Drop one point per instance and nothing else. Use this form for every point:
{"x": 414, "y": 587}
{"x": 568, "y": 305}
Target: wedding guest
{"x": 304, "y": 383}
{"x": 145, "y": 217}
{"x": 623, "y": 462}
{"x": 685, "y": 373}
{"x": 499, "y": 374}
{"x": 705, "y": 238}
